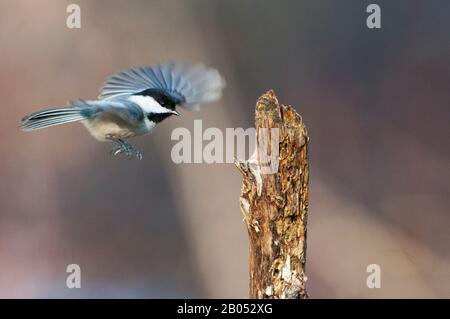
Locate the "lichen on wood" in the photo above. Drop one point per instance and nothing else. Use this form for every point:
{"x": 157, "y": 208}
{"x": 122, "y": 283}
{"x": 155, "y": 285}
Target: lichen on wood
{"x": 275, "y": 205}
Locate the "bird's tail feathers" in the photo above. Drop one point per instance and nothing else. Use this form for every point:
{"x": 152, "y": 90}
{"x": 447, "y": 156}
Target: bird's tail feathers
{"x": 54, "y": 116}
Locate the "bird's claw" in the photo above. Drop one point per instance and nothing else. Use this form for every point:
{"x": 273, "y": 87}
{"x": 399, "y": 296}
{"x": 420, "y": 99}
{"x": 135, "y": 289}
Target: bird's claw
{"x": 138, "y": 155}
{"x": 127, "y": 149}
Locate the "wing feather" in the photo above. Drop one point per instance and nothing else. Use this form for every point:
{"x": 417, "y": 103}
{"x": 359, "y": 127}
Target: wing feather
{"x": 196, "y": 84}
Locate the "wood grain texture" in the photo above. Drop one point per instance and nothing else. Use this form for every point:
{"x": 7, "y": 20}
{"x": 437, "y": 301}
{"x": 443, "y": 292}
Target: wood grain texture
{"x": 275, "y": 205}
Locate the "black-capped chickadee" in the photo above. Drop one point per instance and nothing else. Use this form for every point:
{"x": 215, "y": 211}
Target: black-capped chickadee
{"x": 133, "y": 101}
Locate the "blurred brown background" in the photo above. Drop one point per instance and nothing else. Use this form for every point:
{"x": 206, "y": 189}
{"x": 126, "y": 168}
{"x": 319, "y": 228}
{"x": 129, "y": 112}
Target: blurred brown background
{"x": 376, "y": 103}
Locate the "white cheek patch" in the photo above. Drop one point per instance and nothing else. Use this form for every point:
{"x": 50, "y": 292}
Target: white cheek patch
{"x": 148, "y": 104}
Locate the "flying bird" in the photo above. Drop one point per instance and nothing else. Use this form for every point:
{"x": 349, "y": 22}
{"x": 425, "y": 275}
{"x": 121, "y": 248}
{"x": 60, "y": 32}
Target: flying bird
{"x": 132, "y": 102}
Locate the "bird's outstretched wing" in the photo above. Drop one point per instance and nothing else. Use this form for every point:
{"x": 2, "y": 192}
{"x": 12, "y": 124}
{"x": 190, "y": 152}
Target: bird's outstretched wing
{"x": 189, "y": 85}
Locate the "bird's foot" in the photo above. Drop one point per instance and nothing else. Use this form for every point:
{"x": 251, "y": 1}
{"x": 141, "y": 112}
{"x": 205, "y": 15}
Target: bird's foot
{"x": 127, "y": 149}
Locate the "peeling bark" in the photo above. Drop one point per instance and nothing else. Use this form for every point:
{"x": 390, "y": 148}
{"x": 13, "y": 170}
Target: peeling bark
{"x": 275, "y": 205}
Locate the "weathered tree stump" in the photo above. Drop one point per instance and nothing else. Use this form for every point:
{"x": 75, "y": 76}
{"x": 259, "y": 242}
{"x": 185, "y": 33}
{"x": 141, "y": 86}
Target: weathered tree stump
{"x": 275, "y": 204}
